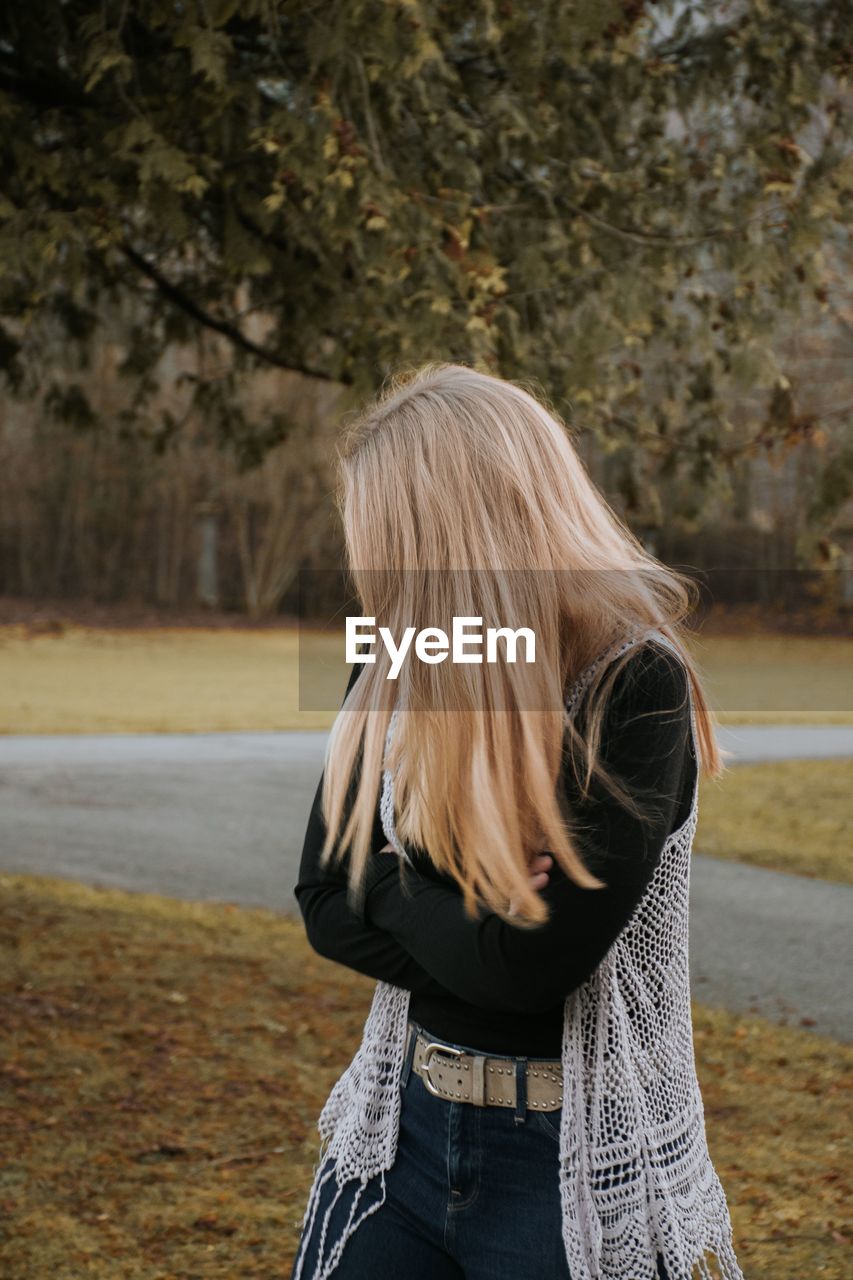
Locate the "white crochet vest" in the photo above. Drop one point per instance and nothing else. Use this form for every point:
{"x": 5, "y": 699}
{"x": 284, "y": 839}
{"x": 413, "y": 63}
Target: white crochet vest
{"x": 631, "y": 1098}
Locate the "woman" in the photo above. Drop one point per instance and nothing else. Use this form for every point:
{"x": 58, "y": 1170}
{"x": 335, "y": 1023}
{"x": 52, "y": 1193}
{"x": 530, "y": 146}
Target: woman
{"x": 505, "y": 847}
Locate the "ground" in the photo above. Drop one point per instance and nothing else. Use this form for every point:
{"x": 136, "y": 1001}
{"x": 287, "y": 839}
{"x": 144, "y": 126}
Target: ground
{"x": 165, "y": 1064}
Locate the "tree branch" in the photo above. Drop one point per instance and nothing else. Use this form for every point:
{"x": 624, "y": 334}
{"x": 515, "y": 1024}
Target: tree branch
{"x": 644, "y": 237}
{"x": 230, "y": 331}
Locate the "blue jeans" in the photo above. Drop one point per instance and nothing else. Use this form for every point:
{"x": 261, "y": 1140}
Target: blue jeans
{"x": 472, "y": 1195}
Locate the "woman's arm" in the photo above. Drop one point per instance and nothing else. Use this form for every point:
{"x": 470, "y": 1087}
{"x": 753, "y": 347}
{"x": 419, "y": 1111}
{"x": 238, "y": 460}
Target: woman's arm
{"x": 490, "y": 962}
{"x": 333, "y": 929}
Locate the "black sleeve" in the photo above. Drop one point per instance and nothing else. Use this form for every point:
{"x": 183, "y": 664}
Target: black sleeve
{"x": 333, "y": 928}
{"x": 491, "y": 963}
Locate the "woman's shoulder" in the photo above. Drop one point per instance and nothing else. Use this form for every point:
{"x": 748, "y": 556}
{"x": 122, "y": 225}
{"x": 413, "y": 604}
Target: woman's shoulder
{"x": 654, "y": 665}
{"x": 649, "y": 707}
{"x": 651, "y": 676}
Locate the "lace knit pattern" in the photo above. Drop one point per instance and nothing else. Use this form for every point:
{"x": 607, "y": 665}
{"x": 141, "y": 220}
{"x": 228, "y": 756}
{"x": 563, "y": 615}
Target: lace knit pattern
{"x": 636, "y": 1177}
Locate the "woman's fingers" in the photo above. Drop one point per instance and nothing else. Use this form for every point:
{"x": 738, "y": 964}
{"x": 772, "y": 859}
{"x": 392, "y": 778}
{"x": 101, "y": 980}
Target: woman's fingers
{"x": 538, "y": 869}
{"x": 538, "y": 880}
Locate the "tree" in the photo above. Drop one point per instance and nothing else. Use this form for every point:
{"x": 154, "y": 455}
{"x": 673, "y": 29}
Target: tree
{"x": 613, "y": 200}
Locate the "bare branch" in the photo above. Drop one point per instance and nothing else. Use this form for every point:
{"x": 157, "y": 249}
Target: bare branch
{"x": 230, "y": 331}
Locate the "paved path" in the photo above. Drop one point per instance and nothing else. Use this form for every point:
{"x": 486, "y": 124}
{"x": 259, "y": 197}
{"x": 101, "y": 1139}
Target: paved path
{"x": 752, "y": 743}
{"x": 221, "y": 816}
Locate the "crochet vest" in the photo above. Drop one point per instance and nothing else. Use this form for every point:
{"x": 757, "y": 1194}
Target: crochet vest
{"x": 636, "y": 1177}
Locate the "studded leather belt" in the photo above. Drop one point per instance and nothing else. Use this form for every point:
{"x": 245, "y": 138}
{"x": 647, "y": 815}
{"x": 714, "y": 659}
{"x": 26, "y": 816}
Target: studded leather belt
{"x": 450, "y": 1073}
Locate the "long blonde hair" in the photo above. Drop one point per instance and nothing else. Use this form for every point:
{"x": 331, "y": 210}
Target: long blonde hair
{"x": 462, "y": 494}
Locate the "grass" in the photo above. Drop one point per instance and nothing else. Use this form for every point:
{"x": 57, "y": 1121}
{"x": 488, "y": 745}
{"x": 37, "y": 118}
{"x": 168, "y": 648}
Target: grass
{"x": 166, "y": 1061}
{"x": 778, "y": 679}
{"x": 786, "y": 815}
{"x": 78, "y": 679}
{"x": 165, "y": 680}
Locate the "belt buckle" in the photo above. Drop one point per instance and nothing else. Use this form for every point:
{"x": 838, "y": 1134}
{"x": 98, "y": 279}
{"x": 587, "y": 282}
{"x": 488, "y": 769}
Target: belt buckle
{"x": 435, "y": 1046}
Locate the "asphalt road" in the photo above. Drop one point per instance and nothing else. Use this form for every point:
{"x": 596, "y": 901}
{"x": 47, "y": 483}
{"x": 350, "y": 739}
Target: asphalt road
{"x": 221, "y": 816}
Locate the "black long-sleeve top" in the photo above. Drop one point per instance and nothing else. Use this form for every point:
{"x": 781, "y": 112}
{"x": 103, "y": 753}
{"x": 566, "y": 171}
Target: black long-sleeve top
{"x": 484, "y": 982}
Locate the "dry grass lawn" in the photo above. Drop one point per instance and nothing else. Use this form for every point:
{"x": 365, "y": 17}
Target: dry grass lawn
{"x": 778, "y": 679}
{"x": 786, "y": 815}
{"x": 193, "y": 680}
{"x": 163, "y": 680}
{"x": 164, "y": 1064}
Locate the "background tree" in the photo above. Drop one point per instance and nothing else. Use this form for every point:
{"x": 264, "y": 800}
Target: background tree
{"x": 616, "y": 200}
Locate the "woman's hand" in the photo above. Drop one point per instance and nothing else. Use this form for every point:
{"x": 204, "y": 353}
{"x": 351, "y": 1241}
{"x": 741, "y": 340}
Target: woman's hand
{"x": 540, "y": 865}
